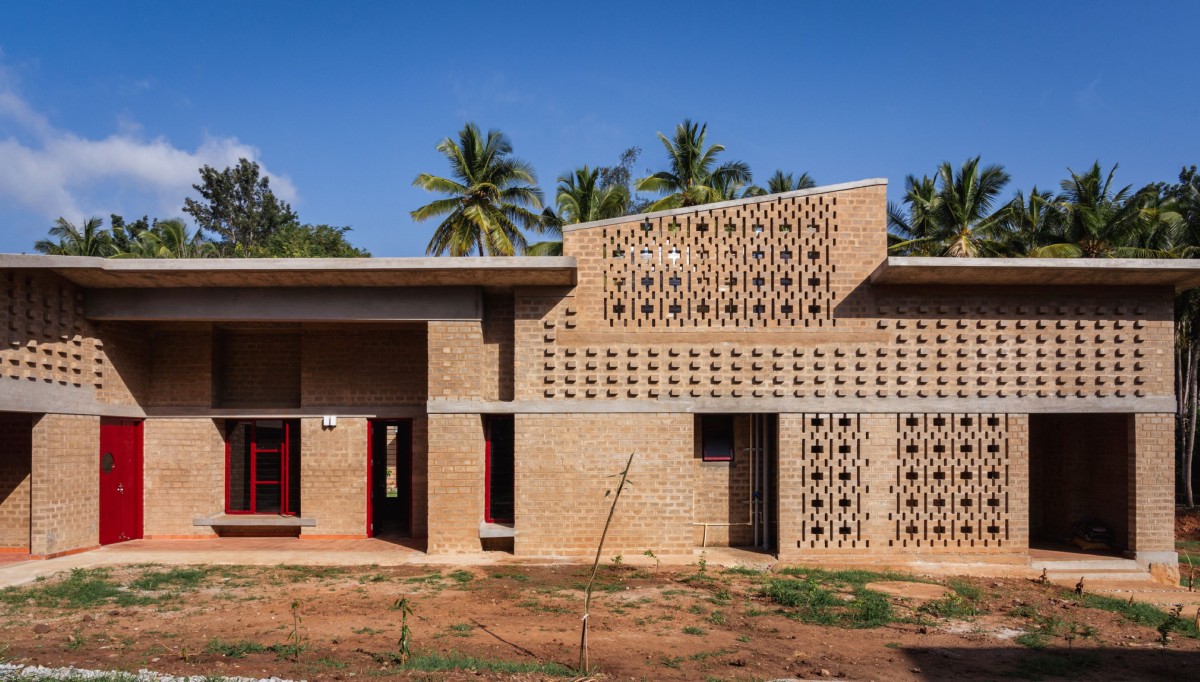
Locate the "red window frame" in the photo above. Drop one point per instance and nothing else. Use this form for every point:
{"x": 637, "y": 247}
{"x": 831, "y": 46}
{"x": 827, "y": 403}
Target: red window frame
{"x": 716, "y": 430}
{"x": 284, "y": 453}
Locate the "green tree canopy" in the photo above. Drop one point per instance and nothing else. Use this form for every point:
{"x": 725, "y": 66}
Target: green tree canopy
{"x": 490, "y": 197}
{"x": 308, "y": 241}
{"x": 238, "y": 207}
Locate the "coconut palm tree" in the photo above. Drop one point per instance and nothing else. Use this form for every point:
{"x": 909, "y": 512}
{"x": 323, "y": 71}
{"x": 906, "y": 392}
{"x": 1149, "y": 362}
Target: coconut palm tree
{"x": 491, "y": 197}
{"x": 581, "y": 196}
{"x": 1102, "y": 221}
{"x": 951, "y": 214}
{"x": 782, "y": 182}
{"x": 694, "y": 177}
{"x": 169, "y": 239}
{"x": 1031, "y": 222}
{"x": 90, "y": 240}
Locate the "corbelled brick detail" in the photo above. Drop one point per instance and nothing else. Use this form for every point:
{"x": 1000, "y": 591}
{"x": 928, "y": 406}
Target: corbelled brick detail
{"x": 16, "y": 446}
{"x": 333, "y": 477}
{"x": 66, "y": 488}
{"x": 566, "y": 463}
{"x": 184, "y": 475}
{"x": 455, "y": 480}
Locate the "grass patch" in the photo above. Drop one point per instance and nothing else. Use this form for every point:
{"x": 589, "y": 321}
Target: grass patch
{"x": 243, "y": 648}
{"x": 82, "y": 588}
{"x": 519, "y": 577}
{"x": 741, "y": 570}
{"x": 848, "y": 578}
{"x": 299, "y": 574}
{"x": 453, "y": 661}
{"x": 177, "y": 579}
{"x": 1136, "y": 612}
{"x": 462, "y": 577}
{"x": 963, "y": 604}
{"x": 428, "y": 579}
{"x": 694, "y": 630}
{"x": 810, "y": 601}
{"x": 461, "y": 629}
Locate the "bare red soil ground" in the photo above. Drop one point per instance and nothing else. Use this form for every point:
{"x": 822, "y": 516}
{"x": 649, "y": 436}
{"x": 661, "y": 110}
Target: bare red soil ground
{"x": 522, "y": 622}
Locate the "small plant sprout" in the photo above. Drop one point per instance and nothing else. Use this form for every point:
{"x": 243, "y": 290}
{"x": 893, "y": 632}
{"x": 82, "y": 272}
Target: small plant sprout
{"x": 404, "y": 646}
{"x": 1172, "y": 622}
{"x": 703, "y": 563}
{"x": 616, "y": 561}
{"x": 650, "y": 553}
{"x": 294, "y": 639}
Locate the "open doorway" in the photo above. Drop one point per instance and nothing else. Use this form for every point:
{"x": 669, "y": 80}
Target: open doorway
{"x": 736, "y": 497}
{"x": 389, "y": 477}
{"x": 1079, "y": 483}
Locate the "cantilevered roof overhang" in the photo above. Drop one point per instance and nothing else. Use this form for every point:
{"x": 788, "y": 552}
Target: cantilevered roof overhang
{"x": 1179, "y": 274}
{"x": 118, "y": 273}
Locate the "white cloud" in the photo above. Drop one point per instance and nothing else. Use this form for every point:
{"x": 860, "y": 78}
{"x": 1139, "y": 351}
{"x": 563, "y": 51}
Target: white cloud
{"x": 53, "y": 172}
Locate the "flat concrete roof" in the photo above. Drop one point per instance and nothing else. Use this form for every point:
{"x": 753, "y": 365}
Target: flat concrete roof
{"x": 703, "y": 208}
{"x": 1180, "y": 274}
{"x": 124, "y": 273}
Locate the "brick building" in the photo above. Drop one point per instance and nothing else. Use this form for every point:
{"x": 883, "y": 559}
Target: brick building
{"x": 785, "y": 384}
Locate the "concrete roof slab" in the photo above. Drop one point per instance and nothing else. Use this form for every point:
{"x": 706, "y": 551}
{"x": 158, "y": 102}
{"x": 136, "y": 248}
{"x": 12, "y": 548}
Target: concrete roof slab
{"x": 1180, "y": 274}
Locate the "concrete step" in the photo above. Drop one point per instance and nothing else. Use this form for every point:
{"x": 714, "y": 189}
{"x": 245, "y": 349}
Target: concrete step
{"x": 1096, "y": 564}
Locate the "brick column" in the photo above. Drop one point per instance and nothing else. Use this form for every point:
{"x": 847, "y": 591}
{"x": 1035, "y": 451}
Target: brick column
{"x": 1018, "y": 481}
{"x": 15, "y": 447}
{"x": 184, "y": 475}
{"x": 65, "y": 499}
{"x": 1152, "y": 493}
{"x": 455, "y": 472}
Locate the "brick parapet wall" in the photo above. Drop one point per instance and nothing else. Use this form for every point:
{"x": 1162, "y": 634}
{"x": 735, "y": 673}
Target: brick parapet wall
{"x": 65, "y": 492}
{"x": 565, "y": 463}
{"x": 16, "y": 449}
{"x": 455, "y": 475}
{"x": 333, "y": 477}
{"x": 184, "y": 463}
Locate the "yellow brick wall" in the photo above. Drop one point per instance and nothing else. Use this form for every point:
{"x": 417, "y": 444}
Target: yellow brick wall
{"x": 258, "y": 368}
{"x": 565, "y": 463}
{"x": 181, "y": 366}
{"x": 456, "y": 360}
{"x": 65, "y": 490}
{"x": 1152, "y": 483}
{"x": 15, "y": 461}
{"x": 333, "y": 478}
{"x": 455, "y": 481}
{"x": 364, "y": 367}
{"x": 184, "y": 475}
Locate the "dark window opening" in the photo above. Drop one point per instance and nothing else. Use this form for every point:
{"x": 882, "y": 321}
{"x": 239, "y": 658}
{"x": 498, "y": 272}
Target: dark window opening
{"x": 716, "y": 435}
{"x": 500, "y": 474}
{"x": 262, "y": 467}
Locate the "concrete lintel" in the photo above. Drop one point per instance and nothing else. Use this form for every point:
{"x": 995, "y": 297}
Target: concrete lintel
{"x": 346, "y": 411}
{"x": 285, "y": 304}
{"x": 40, "y": 397}
{"x": 1156, "y": 404}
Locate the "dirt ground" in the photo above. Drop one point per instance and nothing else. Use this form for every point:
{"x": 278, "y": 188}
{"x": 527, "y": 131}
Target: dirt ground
{"x": 522, "y": 622}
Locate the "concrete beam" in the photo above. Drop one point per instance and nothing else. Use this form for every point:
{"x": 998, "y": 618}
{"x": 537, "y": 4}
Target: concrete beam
{"x": 285, "y": 304}
{"x": 1154, "y": 404}
{"x": 39, "y": 397}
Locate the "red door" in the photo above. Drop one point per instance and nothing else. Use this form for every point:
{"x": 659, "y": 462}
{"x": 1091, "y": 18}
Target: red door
{"x": 120, "y": 480}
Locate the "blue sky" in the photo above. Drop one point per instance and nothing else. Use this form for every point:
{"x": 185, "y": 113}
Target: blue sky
{"x": 113, "y": 106}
